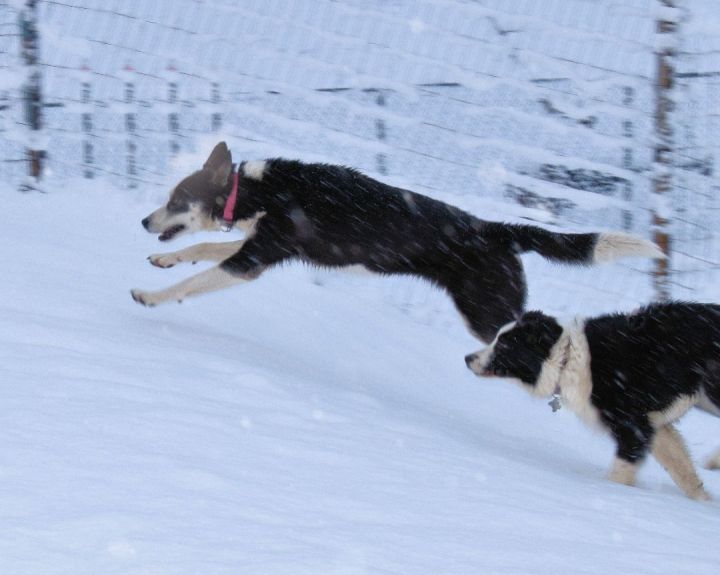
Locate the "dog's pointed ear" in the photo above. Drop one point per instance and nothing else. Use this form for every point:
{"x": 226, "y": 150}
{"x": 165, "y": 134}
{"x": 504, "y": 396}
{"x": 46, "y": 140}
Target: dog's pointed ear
{"x": 220, "y": 162}
{"x": 219, "y": 155}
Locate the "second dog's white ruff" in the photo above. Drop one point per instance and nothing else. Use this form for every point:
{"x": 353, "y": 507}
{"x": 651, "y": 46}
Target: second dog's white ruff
{"x": 567, "y": 371}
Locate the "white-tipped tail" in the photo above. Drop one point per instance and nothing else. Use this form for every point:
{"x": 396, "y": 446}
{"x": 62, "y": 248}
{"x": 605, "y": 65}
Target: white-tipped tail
{"x": 615, "y": 245}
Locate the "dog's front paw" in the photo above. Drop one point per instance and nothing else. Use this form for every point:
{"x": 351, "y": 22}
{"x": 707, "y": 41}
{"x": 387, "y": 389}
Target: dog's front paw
{"x": 164, "y": 260}
{"x": 143, "y": 297}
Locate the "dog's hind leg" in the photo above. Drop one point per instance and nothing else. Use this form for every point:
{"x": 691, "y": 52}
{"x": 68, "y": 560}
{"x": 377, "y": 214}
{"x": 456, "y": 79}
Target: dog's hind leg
{"x": 710, "y": 402}
{"x": 669, "y": 449}
{"x": 205, "y": 252}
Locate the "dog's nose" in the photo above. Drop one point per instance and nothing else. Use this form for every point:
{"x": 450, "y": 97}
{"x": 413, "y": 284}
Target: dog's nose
{"x": 146, "y": 223}
{"x": 470, "y": 358}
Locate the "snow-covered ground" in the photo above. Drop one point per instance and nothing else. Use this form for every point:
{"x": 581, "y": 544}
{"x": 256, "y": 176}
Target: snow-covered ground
{"x": 299, "y": 424}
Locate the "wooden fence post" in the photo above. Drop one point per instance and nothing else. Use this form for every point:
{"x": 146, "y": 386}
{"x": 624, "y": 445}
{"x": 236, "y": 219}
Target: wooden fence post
{"x": 216, "y": 116}
{"x": 173, "y": 114}
{"x": 32, "y": 90}
{"x": 627, "y": 160}
{"x": 129, "y": 100}
{"x": 666, "y": 31}
{"x": 86, "y": 119}
{"x": 381, "y": 132}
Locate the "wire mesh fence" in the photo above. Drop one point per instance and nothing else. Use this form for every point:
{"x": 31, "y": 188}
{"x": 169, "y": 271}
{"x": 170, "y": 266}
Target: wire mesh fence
{"x": 511, "y": 108}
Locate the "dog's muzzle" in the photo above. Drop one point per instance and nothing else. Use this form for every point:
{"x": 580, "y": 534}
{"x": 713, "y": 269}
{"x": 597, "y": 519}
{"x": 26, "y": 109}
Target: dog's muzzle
{"x": 166, "y": 233}
{"x": 171, "y": 232}
{"x": 478, "y": 363}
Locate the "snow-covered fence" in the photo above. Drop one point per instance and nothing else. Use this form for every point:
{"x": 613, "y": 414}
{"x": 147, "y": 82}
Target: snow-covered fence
{"x": 86, "y": 122}
{"x": 628, "y": 157}
{"x": 443, "y": 138}
{"x": 125, "y": 126}
{"x": 536, "y": 110}
{"x": 696, "y": 189}
{"x": 130, "y": 123}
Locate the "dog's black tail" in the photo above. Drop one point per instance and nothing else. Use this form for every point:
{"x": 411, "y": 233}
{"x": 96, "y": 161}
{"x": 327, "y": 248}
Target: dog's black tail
{"x": 585, "y": 249}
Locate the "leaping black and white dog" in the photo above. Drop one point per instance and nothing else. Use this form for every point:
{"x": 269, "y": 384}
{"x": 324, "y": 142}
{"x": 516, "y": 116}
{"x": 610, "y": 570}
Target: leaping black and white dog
{"x": 631, "y": 374}
{"x": 334, "y": 216}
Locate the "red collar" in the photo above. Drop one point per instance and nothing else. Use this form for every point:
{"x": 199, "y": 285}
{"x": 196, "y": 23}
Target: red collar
{"x": 230, "y": 204}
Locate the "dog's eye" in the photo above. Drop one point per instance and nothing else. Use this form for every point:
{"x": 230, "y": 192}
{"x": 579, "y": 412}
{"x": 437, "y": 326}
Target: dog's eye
{"x": 532, "y": 339}
{"x": 502, "y": 345}
{"x": 178, "y": 199}
{"x": 175, "y": 204}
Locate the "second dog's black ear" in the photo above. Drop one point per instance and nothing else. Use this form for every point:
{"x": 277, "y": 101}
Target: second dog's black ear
{"x": 532, "y": 317}
{"x": 220, "y": 162}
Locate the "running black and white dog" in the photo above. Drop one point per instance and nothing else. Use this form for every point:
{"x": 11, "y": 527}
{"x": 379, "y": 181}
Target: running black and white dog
{"x": 632, "y": 374}
{"x": 333, "y": 216}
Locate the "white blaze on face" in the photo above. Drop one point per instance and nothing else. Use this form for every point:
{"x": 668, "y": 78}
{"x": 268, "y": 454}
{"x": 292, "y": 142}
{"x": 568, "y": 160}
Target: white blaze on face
{"x": 484, "y": 356}
{"x": 480, "y": 361}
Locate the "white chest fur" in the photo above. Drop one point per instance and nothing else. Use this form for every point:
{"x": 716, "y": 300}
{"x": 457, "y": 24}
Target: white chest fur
{"x": 574, "y": 378}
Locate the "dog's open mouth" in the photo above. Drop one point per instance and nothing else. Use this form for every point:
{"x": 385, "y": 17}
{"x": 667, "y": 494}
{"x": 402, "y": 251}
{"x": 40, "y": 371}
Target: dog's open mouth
{"x": 488, "y": 371}
{"x": 171, "y": 232}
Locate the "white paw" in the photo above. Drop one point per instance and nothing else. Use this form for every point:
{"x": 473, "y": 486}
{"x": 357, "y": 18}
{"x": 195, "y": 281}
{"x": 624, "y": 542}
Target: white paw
{"x": 141, "y": 297}
{"x": 153, "y": 298}
{"x": 165, "y": 260}
{"x": 145, "y": 298}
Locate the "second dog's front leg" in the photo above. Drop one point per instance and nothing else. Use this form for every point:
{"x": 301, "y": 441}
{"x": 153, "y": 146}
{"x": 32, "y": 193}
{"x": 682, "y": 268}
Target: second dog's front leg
{"x": 214, "y": 279}
{"x": 623, "y": 471}
{"x": 213, "y": 252}
{"x": 633, "y": 438}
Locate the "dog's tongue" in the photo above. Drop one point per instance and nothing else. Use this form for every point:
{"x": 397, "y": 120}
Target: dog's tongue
{"x": 170, "y": 232}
